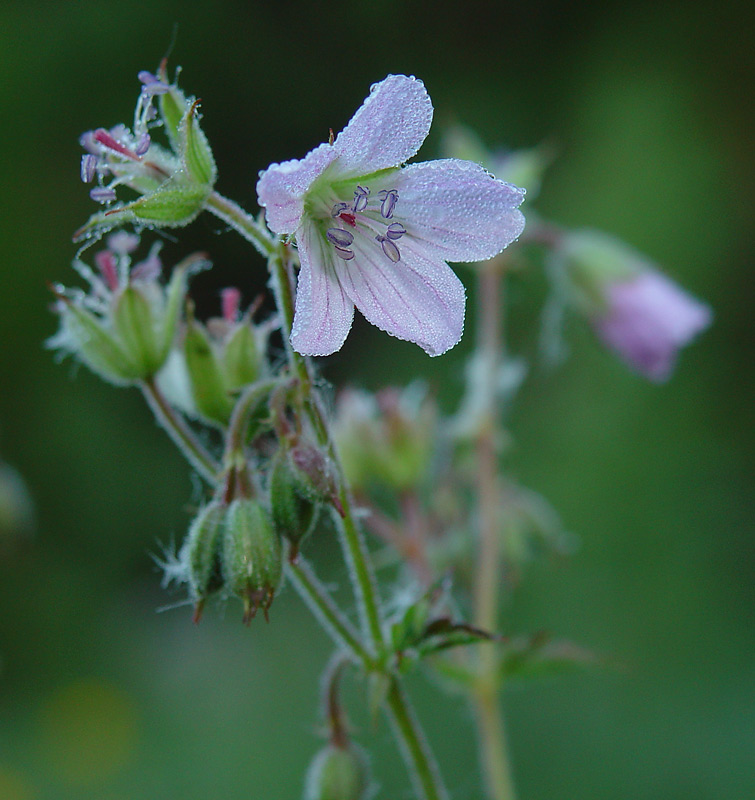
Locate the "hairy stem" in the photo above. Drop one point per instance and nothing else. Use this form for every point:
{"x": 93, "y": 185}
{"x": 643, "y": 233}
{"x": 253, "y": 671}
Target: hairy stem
{"x": 414, "y": 747}
{"x": 420, "y": 762}
{"x": 181, "y": 434}
{"x": 317, "y": 597}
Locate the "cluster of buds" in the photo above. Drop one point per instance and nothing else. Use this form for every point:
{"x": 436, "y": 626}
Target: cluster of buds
{"x": 124, "y": 326}
{"x": 172, "y": 182}
{"x": 213, "y": 361}
{"x": 231, "y": 549}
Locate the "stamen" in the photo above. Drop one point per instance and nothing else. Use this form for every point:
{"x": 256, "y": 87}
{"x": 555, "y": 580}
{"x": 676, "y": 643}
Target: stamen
{"x": 148, "y": 270}
{"x": 105, "y": 260}
{"x": 339, "y": 237}
{"x": 230, "y": 300}
{"x": 389, "y": 248}
{"x": 106, "y": 138}
{"x": 338, "y": 208}
{"x": 102, "y": 194}
{"x": 152, "y": 84}
{"x": 343, "y": 253}
{"x": 395, "y": 231}
{"x": 88, "y": 167}
{"x": 361, "y": 194}
{"x": 389, "y": 200}
{"x": 143, "y": 144}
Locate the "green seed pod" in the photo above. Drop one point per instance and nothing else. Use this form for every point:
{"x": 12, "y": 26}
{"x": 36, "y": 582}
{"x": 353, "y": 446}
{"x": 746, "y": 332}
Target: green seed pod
{"x": 338, "y": 773}
{"x": 252, "y": 563}
{"x": 294, "y": 512}
{"x": 201, "y": 554}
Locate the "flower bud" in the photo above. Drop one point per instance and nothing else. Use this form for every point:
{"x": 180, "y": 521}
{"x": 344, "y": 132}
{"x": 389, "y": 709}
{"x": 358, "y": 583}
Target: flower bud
{"x": 172, "y": 183}
{"x": 338, "y": 773}
{"x": 294, "y": 512}
{"x": 252, "y": 563}
{"x": 201, "y": 555}
{"x": 635, "y": 310}
{"x": 221, "y": 358}
{"x": 124, "y": 327}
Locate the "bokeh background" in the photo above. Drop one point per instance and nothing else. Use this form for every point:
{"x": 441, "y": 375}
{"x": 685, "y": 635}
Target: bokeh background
{"x": 647, "y": 104}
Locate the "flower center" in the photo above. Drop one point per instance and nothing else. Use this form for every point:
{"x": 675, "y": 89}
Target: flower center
{"x": 371, "y": 215}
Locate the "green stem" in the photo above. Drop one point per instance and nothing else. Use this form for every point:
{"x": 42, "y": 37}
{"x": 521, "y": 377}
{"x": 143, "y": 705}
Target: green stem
{"x": 419, "y": 759}
{"x": 317, "y": 597}
{"x": 181, "y": 434}
{"x": 242, "y": 223}
{"x": 415, "y": 749}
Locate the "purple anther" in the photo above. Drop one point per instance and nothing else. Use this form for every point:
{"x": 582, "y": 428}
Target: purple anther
{"x": 88, "y": 142}
{"x": 143, "y": 144}
{"x": 389, "y": 248}
{"x": 102, "y": 194}
{"x": 147, "y": 77}
{"x": 230, "y": 302}
{"x": 151, "y": 89}
{"x": 88, "y": 167}
{"x": 395, "y": 231}
{"x": 338, "y": 208}
{"x": 343, "y": 253}
{"x": 339, "y": 237}
{"x": 389, "y": 200}
{"x": 106, "y": 264}
{"x": 361, "y": 193}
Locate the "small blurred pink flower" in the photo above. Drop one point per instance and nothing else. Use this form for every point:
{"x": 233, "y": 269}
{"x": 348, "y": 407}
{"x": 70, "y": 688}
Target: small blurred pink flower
{"x": 647, "y": 319}
{"x": 376, "y": 235}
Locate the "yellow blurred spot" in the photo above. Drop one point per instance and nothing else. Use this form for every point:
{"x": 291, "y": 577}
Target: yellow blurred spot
{"x": 89, "y": 731}
{"x": 13, "y": 785}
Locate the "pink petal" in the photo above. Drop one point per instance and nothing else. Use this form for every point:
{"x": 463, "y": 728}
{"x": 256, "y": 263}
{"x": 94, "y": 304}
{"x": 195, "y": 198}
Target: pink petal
{"x": 418, "y": 298}
{"x": 282, "y": 187}
{"x": 323, "y": 314}
{"x": 458, "y": 209}
{"x": 388, "y": 129}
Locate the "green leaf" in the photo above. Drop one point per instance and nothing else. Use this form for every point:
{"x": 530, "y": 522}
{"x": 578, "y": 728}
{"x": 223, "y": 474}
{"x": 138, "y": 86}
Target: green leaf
{"x": 168, "y": 206}
{"x": 538, "y": 656}
{"x": 194, "y": 149}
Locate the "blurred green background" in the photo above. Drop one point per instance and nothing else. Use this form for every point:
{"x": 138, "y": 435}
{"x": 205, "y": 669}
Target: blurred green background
{"x": 647, "y": 104}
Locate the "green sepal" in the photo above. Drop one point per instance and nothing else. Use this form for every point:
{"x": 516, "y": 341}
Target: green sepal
{"x": 208, "y": 388}
{"x": 252, "y": 560}
{"x": 134, "y": 324}
{"x": 96, "y": 345}
{"x": 168, "y": 206}
{"x": 202, "y": 551}
{"x": 293, "y": 512}
{"x": 194, "y": 149}
{"x": 241, "y": 357}
{"x": 172, "y": 108}
{"x": 175, "y": 293}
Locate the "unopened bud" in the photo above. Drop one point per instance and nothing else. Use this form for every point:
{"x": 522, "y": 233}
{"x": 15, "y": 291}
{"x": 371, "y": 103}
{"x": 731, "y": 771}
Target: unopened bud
{"x": 338, "y": 773}
{"x": 201, "y": 555}
{"x": 252, "y": 563}
{"x": 294, "y": 512}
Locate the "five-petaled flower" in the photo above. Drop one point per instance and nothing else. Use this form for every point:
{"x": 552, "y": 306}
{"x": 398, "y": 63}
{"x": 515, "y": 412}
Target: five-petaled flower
{"x": 376, "y": 235}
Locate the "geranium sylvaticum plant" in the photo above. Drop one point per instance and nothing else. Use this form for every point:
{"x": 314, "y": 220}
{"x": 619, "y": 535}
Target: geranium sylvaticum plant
{"x": 350, "y": 226}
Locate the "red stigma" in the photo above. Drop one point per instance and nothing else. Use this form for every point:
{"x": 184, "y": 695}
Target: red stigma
{"x": 349, "y": 218}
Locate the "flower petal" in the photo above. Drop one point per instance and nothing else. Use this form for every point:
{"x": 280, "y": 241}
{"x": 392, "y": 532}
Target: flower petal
{"x": 388, "y": 129}
{"x": 282, "y": 187}
{"x": 459, "y": 209}
{"x": 418, "y": 298}
{"x": 323, "y": 313}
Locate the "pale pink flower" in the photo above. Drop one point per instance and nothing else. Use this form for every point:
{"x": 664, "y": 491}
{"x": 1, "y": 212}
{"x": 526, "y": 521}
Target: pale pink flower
{"x": 376, "y": 235}
{"x": 647, "y": 319}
